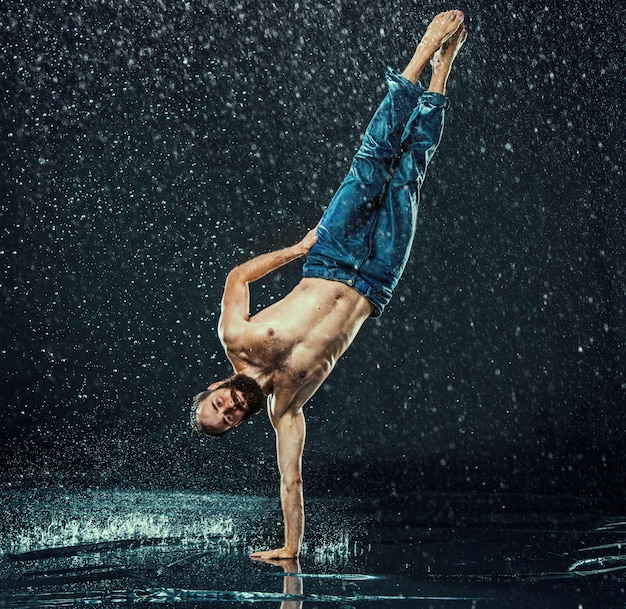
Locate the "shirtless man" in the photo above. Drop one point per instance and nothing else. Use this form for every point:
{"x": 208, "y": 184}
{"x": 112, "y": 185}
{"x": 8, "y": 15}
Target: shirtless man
{"x": 355, "y": 257}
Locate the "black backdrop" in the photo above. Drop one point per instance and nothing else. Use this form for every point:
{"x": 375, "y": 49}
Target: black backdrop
{"x": 148, "y": 147}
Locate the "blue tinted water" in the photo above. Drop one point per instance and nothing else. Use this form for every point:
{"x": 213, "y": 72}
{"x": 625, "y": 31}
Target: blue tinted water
{"x": 74, "y": 548}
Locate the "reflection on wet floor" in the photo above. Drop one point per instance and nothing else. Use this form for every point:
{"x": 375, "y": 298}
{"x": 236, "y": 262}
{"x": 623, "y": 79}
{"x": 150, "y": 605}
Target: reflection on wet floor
{"x": 108, "y": 547}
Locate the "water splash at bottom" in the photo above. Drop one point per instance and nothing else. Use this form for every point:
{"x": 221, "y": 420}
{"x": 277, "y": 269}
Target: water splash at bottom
{"x": 76, "y": 548}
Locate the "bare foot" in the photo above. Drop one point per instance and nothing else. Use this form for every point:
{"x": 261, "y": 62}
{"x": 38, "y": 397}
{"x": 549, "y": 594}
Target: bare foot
{"x": 443, "y": 58}
{"x": 440, "y": 29}
{"x": 450, "y": 48}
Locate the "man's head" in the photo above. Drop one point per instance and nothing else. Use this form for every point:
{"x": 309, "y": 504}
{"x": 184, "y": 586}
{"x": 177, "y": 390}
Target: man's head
{"x": 226, "y": 404}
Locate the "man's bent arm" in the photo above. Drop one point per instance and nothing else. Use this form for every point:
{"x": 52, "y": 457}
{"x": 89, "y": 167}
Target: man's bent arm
{"x": 290, "y": 436}
{"x": 236, "y": 298}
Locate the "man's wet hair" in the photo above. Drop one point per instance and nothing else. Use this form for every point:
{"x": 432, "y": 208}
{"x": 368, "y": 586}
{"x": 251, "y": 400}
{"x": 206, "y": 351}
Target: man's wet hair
{"x": 249, "y": 388}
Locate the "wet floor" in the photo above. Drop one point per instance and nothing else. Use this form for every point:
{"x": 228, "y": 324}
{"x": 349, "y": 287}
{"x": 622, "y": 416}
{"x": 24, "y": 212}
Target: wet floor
{"x": 74, "y": 548}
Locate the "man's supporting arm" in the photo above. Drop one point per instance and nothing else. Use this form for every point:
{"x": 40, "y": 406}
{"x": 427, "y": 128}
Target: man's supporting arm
{"x": 290, "y": 436}
{"x": 236, "y": 298}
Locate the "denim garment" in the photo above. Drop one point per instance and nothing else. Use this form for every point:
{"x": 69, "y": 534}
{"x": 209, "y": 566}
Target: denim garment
{"x": 365, "y": 235}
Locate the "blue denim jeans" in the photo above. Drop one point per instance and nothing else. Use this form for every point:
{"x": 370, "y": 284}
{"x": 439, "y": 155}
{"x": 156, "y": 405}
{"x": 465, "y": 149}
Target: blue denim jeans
{"x": 365, "y": 235}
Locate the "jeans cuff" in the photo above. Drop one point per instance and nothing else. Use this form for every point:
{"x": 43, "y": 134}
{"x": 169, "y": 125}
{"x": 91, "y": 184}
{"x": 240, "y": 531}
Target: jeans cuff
{"x": 396, "y": 77}
{"x": 432, "y": 98}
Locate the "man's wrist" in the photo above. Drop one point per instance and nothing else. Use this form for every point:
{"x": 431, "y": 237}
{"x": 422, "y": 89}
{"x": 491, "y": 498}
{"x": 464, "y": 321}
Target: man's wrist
{"x": 291, "y": 552}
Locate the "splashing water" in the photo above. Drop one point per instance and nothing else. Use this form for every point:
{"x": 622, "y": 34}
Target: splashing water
{"x": 36, "y": 520}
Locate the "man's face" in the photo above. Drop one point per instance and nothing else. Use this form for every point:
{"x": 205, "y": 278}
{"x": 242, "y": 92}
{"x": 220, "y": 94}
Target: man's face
{"x": 224, "y": 409}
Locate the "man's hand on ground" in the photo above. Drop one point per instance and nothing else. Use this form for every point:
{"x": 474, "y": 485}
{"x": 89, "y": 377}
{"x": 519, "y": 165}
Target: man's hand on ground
{"x": 269, "y": 555}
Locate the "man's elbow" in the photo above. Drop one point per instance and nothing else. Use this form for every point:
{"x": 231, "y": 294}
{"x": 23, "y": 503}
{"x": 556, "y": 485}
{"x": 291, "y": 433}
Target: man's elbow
{"x": 237, "y": 275}
{"x": 292, "y": 482}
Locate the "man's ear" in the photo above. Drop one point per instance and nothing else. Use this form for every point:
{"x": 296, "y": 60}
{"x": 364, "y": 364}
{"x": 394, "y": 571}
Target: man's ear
{"x": 213, "y": 386}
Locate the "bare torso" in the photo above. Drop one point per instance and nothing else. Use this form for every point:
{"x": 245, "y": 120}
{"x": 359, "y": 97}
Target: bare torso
{"x": 292, "y": 345}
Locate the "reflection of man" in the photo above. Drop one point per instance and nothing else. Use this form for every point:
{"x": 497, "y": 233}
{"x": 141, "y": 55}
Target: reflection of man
{"x": 355, "y": 257}
{"x": 292, "y": 583}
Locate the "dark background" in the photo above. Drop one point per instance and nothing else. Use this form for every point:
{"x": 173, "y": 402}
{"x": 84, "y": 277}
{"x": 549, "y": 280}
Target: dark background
{"x": 148, "y": 147}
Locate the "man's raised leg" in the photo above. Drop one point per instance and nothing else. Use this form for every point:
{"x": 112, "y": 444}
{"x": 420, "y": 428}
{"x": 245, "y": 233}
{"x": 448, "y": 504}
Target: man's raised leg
{"x": 397, "y": 215}
{"x": 352, "y": 204}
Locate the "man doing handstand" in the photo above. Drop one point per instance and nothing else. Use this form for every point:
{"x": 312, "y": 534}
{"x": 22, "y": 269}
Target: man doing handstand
{"x": 355, "y": 257}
